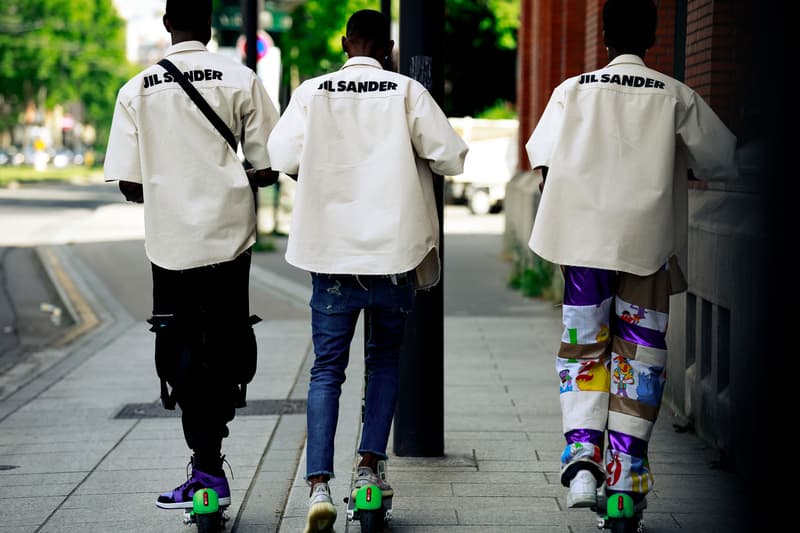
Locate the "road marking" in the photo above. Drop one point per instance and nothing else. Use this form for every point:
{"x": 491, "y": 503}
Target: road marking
{"x": 83, "y": 314}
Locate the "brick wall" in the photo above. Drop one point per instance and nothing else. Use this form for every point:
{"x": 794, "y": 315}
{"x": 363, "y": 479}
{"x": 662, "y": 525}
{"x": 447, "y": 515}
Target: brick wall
{"x": 711, "y": 56}
{"x": 661, "y": 56}
{"x": 595, "y": 55}
{"x": 552, "y": 48}
{"x": 525, "y": 60}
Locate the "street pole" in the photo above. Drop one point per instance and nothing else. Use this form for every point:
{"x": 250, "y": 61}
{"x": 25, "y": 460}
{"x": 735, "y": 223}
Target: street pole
{"x": 419, "y": 417}
{"x": 250, "y": 30}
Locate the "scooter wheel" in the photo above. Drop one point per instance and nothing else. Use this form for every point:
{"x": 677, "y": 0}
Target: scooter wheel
{"x": 209, "y": 523}
{"x": 371, "y": 521}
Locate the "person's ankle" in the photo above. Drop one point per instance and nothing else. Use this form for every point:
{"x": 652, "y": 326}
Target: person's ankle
{"x": 370, "y": 460}
{"x": 314, "y": 480}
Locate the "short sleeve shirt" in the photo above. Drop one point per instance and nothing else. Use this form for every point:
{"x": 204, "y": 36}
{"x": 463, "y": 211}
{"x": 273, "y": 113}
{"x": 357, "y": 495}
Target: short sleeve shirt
{"x": 198, "y": 204}
{"x": 617, "y": 143}
{"x": 364, "y": 142}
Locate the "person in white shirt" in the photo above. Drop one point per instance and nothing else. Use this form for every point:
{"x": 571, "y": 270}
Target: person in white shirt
{"x": 614, "y": 146}
{"x": 200, "y": 226}
{"x": 363, "y": 143}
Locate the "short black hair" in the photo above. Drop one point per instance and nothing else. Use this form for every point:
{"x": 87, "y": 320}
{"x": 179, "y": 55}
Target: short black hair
{"x": 369, "y": 26}
{"x": 189, "y": 15}
{"x": 630, "y": 25}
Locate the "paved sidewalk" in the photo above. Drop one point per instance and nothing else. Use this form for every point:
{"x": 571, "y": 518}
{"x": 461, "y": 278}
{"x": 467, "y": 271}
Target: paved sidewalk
{"x": 68, "y": 463}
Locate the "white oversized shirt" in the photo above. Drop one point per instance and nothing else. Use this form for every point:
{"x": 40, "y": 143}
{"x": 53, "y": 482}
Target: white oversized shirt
{"x": 617, "y": 142}
{"x": 363, "y": 142}
{"x": 198, "y": 205}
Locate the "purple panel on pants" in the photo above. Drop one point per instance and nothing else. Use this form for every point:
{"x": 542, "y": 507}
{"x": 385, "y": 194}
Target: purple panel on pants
{"x": 587, "y": 286}
{"x": 620, "y": 442}
{"x": 639, "y": 335}
{"x": 591, "y": 436}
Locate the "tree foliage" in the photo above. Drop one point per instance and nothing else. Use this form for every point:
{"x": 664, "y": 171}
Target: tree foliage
{"x": 480, "y": 54}
{"x": 60, "y": 51}
{"x": 480, "y": 47}
{"x": 313, "y": 45}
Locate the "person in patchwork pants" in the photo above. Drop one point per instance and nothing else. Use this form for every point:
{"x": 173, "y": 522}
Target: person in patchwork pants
{"x": 612, "y": 368}
{"x": 615, "y": 146}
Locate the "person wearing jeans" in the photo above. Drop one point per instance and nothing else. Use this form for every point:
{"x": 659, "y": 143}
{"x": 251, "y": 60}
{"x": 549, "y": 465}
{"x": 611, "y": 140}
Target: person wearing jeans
{"x": 336, "y": 303}
{"x": 363, "y": 143}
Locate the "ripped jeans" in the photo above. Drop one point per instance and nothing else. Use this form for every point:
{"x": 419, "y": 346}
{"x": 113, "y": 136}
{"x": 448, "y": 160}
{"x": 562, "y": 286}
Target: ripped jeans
{"x": 336, "y": 302}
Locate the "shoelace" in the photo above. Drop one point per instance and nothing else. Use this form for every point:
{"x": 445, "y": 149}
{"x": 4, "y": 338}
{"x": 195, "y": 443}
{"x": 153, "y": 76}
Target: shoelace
{"x": 191, "y": 463}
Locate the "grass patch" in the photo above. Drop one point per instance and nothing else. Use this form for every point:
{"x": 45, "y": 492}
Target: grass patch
{"x": 530, "y": 274}
{"x": 264, "y": 244}
{"x": 27, "y": 174}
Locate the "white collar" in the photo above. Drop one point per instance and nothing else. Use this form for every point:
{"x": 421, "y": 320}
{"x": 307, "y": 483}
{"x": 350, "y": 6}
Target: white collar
{"x": 362, "y": 61}
{"x": 186, "y": 46}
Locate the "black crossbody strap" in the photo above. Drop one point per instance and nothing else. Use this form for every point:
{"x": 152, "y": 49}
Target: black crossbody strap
{"x": 201, "y": 103}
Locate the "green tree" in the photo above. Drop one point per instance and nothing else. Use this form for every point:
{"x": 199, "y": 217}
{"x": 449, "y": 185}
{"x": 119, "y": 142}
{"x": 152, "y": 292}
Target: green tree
{"x": 61, "y": 51}
{"x": 480, "y": 55}
{"x": 313, "y": 45}
{"x": 480, "y": 48}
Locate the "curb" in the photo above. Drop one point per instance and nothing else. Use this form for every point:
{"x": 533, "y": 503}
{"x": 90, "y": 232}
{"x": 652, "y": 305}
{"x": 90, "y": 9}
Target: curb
{"x": 79, "y": 309}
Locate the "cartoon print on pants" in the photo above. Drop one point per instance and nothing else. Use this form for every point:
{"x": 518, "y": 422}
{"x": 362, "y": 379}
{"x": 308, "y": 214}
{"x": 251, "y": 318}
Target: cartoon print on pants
{"x": 566, "y": 381}
{"x": 634, "y": 319}
{"x": 602, "y": 335}
{"x": 650, "y": 386}
{"x": 614, "y": 470}
{"x": 623, "y": 375}
{"x": 593, "y": 375}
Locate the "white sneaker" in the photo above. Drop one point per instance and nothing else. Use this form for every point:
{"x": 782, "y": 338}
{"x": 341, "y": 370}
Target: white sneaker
{"x": 321, "y": 511}
{"x": 365, "y": 476}
{"x": 582, "y": 490}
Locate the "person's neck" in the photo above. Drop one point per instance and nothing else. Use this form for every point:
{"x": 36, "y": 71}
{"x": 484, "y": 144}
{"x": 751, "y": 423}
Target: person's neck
{"x": 185, "y": 36}
{"x": 613, "y": 53}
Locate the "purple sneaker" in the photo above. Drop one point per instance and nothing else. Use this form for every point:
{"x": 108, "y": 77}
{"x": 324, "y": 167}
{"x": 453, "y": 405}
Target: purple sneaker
{"x": 181, "y": 497}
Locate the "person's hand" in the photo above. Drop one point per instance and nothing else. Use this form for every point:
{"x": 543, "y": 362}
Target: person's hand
{"x": 133, "y": 192}
{"x": 263, "y": 177}
{"x": 543, "y": 170}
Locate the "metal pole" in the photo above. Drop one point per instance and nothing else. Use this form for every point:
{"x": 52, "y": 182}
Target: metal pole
{"x": 419, "y": 418}
{"x": 386, "y": 9}
{"x": 250, "y": 29}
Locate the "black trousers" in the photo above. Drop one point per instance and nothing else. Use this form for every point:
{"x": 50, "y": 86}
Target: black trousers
{"x": 206, "y": 310}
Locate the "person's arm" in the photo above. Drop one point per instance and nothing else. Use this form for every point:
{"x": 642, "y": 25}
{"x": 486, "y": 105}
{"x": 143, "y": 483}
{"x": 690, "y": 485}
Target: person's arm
{"x": 133, "y": 192}
{"x": 258, "y": 121}
{"x": 542, "y": 141}
{"x": 710, "y": 145}
{"x": 122, "y": 155}
{"x": 263, "y": 177}
{"x": 287, "y": 139}
{"x": 434, "y": 138}
{"x": 543, "y": 170}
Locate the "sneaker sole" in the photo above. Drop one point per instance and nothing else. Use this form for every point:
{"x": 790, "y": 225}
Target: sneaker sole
{"x": 581, "y": 501}
{"x": 321, "y": 517}
{"x": 223, "y": 502}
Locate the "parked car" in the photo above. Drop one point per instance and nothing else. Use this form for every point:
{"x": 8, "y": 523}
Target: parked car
{"x": 490, "y": 163}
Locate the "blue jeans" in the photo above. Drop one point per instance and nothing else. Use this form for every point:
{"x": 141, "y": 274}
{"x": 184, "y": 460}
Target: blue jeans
{"x": 336, "y": 302}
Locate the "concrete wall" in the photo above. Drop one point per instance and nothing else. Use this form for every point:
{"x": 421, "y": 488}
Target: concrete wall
{"x": 716, "y": 333}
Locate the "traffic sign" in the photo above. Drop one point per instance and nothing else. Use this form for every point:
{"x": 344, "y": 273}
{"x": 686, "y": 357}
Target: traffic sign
{"x": 263, "y": 45}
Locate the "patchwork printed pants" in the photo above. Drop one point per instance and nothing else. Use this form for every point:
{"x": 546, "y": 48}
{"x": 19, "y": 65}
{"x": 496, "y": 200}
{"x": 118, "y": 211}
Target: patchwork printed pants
{"x": 612, "y": 367}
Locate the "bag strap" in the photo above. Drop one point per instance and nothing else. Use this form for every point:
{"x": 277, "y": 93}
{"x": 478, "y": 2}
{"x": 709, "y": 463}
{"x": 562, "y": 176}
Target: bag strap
{"x": 201, "y": 103}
